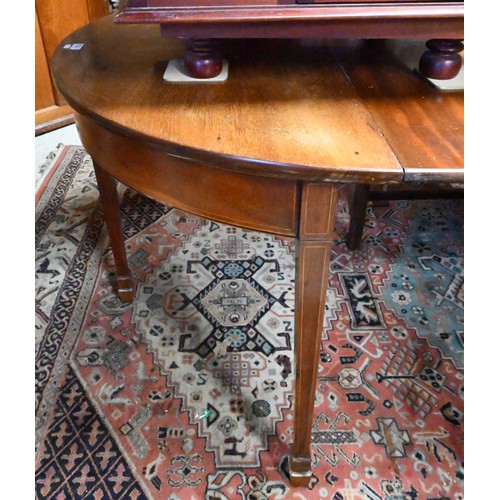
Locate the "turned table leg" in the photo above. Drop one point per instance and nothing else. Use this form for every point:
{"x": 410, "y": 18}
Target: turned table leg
{"x": 203, "y": 58}
{"x": 443, "y": 60}
{"x": 111, "y": 208}
{"x": 315, "y": 242}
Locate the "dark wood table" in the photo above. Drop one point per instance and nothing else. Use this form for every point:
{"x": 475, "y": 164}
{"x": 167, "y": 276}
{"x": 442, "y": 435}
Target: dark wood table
{"x": 264, "y": 150}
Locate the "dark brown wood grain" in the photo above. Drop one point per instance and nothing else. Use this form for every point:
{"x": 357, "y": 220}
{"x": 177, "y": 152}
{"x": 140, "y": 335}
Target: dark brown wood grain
{"x": 424, "y": 125}
{"x": 308, "y": 123}
{"x": 251, "y": 201}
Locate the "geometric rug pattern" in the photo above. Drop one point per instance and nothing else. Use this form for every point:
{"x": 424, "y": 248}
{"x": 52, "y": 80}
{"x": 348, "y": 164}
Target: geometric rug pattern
{"x": 187, "y": 393}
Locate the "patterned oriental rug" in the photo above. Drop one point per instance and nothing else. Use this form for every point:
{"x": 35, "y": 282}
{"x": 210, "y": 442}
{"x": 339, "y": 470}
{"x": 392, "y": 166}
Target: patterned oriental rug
{"x": 188, "y": 392}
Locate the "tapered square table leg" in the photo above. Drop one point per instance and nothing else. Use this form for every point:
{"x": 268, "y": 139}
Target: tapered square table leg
{"x": 111, "y": 208}
{"x": 315, "y": 242}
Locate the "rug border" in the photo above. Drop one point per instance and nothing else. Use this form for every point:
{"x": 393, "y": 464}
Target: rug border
{"x": 60, "y": 153}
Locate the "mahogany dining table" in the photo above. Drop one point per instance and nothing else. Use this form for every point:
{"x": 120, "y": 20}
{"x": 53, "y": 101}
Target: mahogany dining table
{"x": 265, "y": 150}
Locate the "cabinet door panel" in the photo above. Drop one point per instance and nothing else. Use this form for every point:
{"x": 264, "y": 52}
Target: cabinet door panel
{"x": 44, "y": 94}
{"x": 54, "y": 21}
{"x": 58, "y": 19}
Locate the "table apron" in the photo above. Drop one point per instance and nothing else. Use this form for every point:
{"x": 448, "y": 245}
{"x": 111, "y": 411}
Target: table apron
{"x": 251, "y": 201}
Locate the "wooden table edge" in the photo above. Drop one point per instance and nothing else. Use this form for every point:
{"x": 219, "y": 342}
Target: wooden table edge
{"x": 249, "y": 166}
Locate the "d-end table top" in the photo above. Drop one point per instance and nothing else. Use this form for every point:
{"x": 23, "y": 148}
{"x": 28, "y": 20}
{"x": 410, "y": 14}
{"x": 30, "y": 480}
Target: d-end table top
{"x": 308, "y": 109}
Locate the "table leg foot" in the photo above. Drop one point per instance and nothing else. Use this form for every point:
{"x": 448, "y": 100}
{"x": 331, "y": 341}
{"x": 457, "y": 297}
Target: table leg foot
{"x": 125, "y": 289}
{"x": 299, "y": 470}
{"x": 110, "y": 202}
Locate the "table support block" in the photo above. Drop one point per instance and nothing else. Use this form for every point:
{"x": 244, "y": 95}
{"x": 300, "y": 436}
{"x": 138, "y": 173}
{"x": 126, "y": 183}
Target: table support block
{"x": 358, "y": 201}
{"x": 111, "y": 208}
{"x": 314, "y": 247}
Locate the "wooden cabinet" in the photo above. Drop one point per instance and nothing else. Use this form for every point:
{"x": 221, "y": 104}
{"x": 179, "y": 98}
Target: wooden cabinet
{"x": 54, "y": 20}
{"x": 202, "y": 22}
